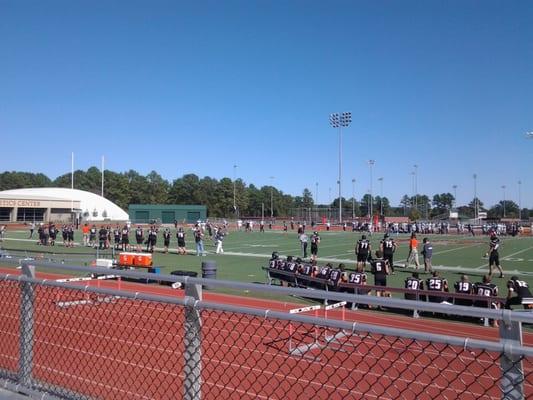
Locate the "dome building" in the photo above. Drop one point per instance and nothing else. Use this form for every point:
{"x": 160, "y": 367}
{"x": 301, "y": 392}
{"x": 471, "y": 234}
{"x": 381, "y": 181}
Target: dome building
{"x": 57, "y": 205}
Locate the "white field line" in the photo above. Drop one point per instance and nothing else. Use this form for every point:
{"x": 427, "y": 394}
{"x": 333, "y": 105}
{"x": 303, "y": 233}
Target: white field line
{"x": 485, "y": 265}
{"x": 457, "y": 248}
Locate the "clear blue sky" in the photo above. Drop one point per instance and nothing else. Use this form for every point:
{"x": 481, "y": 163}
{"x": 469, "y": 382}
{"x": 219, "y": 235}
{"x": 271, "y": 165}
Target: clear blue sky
{"x": 181, "y": 87}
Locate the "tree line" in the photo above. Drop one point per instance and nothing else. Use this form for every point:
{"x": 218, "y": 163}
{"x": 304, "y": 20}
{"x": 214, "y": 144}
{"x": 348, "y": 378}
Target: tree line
{"x": 125, "y": 188}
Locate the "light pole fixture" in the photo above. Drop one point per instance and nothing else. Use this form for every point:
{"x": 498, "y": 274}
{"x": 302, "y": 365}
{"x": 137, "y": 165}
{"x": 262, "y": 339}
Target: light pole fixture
{"x": 272, "y": 197}
{"x": 520, "y": 200}
{"x": 380, "y": 195}
{"x": 340, "y": 121}
{"x": 316, "y": 193}
{"x": 503, "y": 187}
{"x": 353, "y": 198}
{"x": 371, "y": 164}
{"x": 475, "y": 197}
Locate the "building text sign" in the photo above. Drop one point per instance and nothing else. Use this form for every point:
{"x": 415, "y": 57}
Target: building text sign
{"x": 19, "y": 203}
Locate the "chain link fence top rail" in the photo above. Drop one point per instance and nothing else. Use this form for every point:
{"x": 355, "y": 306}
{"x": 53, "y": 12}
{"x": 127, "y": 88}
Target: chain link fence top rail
{"x": 88, "y": 342}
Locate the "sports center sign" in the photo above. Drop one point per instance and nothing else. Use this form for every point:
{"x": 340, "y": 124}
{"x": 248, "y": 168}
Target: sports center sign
{"x": 19, "y": 203}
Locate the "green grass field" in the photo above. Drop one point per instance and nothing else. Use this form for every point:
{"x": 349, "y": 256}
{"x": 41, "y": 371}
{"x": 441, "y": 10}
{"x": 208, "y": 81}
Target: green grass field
{"x": 246, "y": 253}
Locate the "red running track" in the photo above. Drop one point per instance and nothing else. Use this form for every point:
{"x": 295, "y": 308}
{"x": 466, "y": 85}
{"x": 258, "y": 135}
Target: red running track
{"x": 127, "y": 349}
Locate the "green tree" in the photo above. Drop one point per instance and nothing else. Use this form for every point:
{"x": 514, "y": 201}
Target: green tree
{"x": 157, "y": 188}
{"x": 496, "y": 211}
{"x": 184, "y": 190}
{"x": 307, "y": 198}
{"x": 117, "y": 189}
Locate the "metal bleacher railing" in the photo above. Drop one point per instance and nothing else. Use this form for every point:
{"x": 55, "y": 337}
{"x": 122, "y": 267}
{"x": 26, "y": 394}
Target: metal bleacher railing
{"x": 105, "y": 341}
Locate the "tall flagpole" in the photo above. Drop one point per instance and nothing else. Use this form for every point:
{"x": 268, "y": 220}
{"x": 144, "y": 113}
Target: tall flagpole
{"x": 72, "y": 180}
{"x": 102, "y": 176}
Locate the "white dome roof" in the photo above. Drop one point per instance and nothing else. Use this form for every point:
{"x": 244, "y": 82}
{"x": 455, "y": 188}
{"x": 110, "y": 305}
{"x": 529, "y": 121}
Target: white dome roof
{"x": 93, "y": 207}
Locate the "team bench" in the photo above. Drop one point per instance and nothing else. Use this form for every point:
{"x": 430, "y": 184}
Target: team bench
{"x": 304, "y": 281}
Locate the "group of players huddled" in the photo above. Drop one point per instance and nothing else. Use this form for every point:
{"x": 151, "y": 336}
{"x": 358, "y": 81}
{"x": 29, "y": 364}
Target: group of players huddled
{"x": 47, "y": 234}
{"x": 104, "y": 237}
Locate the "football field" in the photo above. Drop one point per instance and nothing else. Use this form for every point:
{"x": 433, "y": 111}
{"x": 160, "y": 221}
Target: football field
{"x": 245, "y": 254}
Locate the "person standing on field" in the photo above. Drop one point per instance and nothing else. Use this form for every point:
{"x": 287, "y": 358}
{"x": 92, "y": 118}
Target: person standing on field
{"x": 413, "y": 251}
{"x": 427, "y": 253}
{"x": 303, "y": 243}
{"x": 219, "y": 239}
{"x": 315, "y": 241}
{"x": 494, "y": 256}
{"x": 180, "y": 235}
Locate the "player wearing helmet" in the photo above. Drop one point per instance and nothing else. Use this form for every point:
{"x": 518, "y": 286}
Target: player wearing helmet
{"x": 494, "y": 256}
{"x": 315, "y": 240}
{"x": 362, "y": 251}
{"x": 388, "y": 247}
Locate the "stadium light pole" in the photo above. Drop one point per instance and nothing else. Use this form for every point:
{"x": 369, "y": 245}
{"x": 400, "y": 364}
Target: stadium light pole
{"x": 454, "y": 196}
{"x": 234, "y": 177}
{"x": 475, "y": 197}
{"x": 271, "y": 197}
{"x": 103, "y": 176}
{"x": 416, "y": 185}
{"x": 381, "y": 195}
{"x": 503, "y": 187}
{"x": 353, "y": 198}
{"x": 371, "y": 164}
{"x": 340, "y": 121}
{"x": 329, "y": 204}
{"x": 72, "y": 181}
{"x": 520, "y": 200}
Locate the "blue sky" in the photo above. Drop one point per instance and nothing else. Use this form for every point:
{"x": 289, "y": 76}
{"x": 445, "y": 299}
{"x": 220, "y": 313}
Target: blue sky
{"x": 181, "y": 87}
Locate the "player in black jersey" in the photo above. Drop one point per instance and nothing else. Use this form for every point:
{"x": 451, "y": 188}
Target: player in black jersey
{"x": 52, "y": 230}
{"x": 102, "y": 237}
{"x": 414, "y": 283}
{"x": 180, "y": 236}
{"x": 273, "y": 260}
{"x": 380, "y": 269}
{"x": 139, "y": 238}
{"x": 485, "y": 288}
{"x": 337, "y": 275}
{"x": 64, "y": 234}
{"x": 70, "y": 236}
{"x": 125, "y": 238}
{"x": 464, "y": 286}
{"x": 116, "y": 234}
{"x": 438, "y": 284}
{"x": 323, "y": 272}
{"x": 315, "y": 241}
{"x": 488, "y": 289}
{"x": 494, "y": 256}
{"x": 362, "y": 250}
{"x": 388, "y": 247}
{"x": 359, "y": 278}
{"x": 166, "y": 239}
{"x": 291, "y": 265}
{"x": 518, "y": 293}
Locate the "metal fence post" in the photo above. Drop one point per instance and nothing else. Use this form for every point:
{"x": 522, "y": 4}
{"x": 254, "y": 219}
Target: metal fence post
{"x": 27, "y": 306}
{"x": 192, "y": 341}
{"x": 512, "y": 382}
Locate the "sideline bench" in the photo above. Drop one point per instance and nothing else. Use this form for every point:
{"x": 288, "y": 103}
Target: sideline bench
{"x": 304, "y": 281}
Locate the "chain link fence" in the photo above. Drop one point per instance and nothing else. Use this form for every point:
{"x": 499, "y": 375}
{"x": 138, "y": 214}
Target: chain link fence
{"x": 72, "y": 340}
